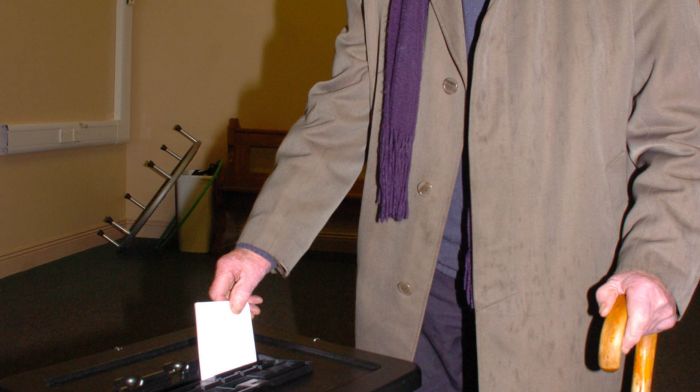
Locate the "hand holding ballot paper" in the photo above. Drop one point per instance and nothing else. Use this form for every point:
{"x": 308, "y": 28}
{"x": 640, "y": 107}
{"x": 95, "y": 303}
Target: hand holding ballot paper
{"x": 237, "y": 275}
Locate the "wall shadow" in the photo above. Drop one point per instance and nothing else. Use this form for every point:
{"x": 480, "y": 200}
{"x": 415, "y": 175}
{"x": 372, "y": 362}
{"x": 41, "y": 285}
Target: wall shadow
{"x": 320, "y": 290}
{"x": 298, "y": 54}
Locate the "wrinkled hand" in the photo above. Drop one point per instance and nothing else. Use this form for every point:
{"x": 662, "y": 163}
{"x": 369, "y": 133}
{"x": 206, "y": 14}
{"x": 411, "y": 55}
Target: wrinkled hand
{"x": 237, "y": 274}
{"x": 650, "y": 307}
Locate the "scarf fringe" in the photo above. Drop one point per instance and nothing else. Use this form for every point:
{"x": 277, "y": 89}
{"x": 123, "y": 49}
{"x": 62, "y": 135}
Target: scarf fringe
{"x": 406, "y": 29}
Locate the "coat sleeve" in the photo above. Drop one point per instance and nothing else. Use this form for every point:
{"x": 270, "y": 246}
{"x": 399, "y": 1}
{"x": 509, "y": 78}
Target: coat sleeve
{"x": 661, "y": 233}
{"x": 320, "y": 158}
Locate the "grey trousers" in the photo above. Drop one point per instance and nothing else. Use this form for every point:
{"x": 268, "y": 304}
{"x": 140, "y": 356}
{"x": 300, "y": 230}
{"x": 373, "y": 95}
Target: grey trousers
{"x": 446, "y": 351}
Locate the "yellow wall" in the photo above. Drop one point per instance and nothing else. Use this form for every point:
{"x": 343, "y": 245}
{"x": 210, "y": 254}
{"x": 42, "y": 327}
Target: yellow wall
{"x": 57, "y": 60}
{"x": 196, "y": 63}
{"x": 200, "y": 63}
{"x": 54, "y": 195}
{"x": 58, "y": 194}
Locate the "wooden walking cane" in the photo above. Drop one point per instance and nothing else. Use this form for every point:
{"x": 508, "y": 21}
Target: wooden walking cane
{"x": 610, "y": 352}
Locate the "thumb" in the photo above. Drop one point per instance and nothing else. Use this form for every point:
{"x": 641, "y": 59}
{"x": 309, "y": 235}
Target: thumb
{"x": 240, "y": 293}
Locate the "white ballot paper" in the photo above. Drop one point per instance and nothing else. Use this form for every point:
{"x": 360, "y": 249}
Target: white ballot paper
{"x": 225, "y": 340}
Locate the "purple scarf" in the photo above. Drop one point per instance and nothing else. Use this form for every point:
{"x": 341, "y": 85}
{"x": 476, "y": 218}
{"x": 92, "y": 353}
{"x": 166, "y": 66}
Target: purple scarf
{"x": 405, "y": 38}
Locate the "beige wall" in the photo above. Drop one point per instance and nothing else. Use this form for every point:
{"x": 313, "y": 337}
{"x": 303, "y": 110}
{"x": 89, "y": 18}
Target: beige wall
{"x": 46, "y": 76}
{"x": 58, "y": 194}
{"x": 57, "y": 60}
{"x": 196, "y": 63}
{"x": 200, "y": 63}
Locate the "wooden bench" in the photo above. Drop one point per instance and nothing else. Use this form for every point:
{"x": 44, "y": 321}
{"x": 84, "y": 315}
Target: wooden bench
{"x": 251, "y": 158}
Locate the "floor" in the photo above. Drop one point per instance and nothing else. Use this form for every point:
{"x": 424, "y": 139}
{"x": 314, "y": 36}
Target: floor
{"x": 100, "y": 298}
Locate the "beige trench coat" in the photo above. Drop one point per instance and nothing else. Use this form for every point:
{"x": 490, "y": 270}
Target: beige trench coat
{"x": 572, "y": 101}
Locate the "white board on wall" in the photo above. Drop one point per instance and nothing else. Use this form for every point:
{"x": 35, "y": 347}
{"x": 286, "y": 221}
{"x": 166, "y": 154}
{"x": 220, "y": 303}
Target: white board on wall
{"x": 64, "y": 74}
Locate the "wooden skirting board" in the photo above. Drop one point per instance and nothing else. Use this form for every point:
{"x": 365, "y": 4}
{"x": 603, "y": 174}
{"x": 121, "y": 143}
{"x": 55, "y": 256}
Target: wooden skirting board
{"x": 40, "y": 254}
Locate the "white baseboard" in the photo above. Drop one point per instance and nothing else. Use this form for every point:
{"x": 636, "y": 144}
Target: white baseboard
{"x": 34, "y": 256}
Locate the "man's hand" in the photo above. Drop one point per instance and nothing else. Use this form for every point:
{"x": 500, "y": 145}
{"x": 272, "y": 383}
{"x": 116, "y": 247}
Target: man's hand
{"x": 237, "y": 274}
{"x": 650, "y": 307}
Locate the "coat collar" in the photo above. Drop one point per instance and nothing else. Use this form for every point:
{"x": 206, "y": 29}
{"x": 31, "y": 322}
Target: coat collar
{"x": 451, "y": 20}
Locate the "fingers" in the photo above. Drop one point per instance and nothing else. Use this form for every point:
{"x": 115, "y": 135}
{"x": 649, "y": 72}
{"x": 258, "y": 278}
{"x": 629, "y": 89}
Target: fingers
{"x": 638, "y": 316}
{"x": 254, "y": 301}
{"x": 648, "y": 312}
{"x": 237, "y": 275}
{"x": 668, "y": 322}
{"x": 221, "y": 285}
{"x": 241, "y": 292}
{"x": 606, "y": 296}
{"x": 650, "y": 308}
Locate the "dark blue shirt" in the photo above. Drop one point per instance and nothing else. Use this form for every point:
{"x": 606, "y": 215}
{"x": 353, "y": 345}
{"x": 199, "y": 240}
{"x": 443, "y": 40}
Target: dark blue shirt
{"x": 455, "y": 247}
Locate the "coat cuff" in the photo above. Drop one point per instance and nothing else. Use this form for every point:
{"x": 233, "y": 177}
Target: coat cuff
{"x": 273, "y": 262}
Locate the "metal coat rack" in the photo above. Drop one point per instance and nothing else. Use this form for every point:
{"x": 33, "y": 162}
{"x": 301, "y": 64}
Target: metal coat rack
{"x": 148, "y": 209}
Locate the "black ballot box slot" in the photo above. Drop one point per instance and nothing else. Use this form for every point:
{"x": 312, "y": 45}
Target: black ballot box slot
{"x": 169, "y": 363}
{"x": 119, "y": 363}
{"x": 287, "y": 345}
{"x": 265, "y": 374}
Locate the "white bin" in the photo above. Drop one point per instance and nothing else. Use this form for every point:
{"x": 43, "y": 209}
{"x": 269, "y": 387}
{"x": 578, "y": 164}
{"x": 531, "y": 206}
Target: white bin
{"x": 194, "y": 234}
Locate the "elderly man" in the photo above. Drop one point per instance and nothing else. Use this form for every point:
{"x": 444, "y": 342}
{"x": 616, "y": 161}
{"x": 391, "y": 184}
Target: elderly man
{"x": 565, "y": 147}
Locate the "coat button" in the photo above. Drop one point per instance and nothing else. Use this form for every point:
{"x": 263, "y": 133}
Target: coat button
{"x": 424, "y": 188}
{"x": 405, "y": 288}
{"x": 449, "y": 86}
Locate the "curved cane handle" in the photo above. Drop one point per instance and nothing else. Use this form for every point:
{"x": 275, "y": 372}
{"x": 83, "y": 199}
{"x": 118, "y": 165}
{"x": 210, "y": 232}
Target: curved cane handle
{"x": 610, "y": 351}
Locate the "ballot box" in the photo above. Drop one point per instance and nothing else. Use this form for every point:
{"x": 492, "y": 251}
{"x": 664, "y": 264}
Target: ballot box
{"x": 320, "y": 366}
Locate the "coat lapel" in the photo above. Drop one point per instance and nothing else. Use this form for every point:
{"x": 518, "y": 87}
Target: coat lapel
{"x": 451, "y": 20}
